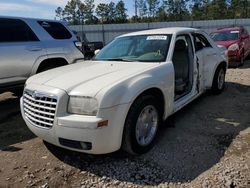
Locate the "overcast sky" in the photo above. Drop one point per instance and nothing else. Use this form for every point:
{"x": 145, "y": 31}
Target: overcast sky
{"x": 42, "y": 8}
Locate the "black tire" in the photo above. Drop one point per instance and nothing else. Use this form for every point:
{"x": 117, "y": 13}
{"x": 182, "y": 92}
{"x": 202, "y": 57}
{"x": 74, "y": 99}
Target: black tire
{"x": 217, "y": 88}
{"x": 242, "y": 59}
{"x": 130, "y": 143}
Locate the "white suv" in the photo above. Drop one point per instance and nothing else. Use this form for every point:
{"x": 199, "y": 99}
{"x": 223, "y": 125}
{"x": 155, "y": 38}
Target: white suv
{"x": 29, "y": 46}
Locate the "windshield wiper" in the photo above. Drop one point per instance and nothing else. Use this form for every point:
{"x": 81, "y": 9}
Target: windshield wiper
{"x": 116, "y": 59}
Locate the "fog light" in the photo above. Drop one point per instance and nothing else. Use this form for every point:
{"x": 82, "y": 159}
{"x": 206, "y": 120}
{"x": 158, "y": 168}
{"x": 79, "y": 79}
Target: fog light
{"x": 75, "y": 144}
{"x": 86, "y": 145}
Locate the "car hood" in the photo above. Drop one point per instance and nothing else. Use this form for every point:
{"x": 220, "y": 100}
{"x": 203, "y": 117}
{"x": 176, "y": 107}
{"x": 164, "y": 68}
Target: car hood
{"x": 226, "y": 43}
{"x": 87, "y": 78}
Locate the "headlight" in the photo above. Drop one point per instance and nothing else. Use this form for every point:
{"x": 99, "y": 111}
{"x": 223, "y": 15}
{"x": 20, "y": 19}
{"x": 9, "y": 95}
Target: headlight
{"x": 233, "y": 47}
{"x": 83, "y": 105}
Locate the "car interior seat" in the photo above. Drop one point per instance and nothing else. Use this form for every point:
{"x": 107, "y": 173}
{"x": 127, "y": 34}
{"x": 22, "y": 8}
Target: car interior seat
{"x": 181, "y": 66}
{"x": 199, "y": 45}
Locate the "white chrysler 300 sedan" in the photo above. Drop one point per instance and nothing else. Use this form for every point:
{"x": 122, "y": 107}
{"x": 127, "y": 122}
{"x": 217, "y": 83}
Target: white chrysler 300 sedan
{"x": 120, "y": 99}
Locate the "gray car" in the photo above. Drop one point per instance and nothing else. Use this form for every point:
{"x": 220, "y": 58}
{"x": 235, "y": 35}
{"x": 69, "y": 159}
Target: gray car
{"x": 29, "y": 46}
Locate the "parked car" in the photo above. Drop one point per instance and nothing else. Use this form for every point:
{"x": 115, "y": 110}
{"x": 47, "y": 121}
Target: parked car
{"x": 88, "y": 48}
{"x": 236, "y": 40}
{"x": 120, "y": 99}
{"x": 29, "y": 46}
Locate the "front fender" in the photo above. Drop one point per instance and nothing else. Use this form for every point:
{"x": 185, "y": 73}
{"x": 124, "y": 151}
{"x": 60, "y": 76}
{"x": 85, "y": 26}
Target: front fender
{"x": 127, "y": 91}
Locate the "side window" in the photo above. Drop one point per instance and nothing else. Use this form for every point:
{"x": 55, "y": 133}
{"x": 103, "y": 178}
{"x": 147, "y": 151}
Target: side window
{"x": 14, "y": 30}
{"x": 201, "y": 42}
{"x": 55, "y": 29}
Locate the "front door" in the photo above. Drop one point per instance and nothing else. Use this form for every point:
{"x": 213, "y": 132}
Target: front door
{"x": 186, "y": 67}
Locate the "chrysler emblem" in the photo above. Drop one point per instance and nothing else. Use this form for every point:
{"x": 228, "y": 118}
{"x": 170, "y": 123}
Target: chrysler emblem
{"x": 36, "y": 94}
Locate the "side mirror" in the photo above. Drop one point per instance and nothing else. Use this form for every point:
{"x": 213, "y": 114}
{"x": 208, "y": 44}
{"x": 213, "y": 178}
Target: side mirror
{"x": 97, "y": 51}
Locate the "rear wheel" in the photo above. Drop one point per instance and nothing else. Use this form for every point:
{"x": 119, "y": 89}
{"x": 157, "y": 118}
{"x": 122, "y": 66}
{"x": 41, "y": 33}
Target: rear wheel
{"x": 242, "y": 59}
{"x": 219, "y": 80}
{"x": 141, "y": 125}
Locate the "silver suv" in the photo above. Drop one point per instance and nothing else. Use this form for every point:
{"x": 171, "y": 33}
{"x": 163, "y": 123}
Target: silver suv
{"x": 29, "y": 46}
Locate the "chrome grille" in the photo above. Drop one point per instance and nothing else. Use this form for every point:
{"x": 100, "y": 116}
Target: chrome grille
{"x": 39, "y": 108}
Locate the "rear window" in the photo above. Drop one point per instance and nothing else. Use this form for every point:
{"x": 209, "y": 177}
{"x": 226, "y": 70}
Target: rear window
{"x": 55, "y": 29}
{"x": 15, "y": 30}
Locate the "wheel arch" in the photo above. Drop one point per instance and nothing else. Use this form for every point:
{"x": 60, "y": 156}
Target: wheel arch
{"x": 155, "y": 92}
{"x": 55, "y": 61}
{"x": 224, "y": 64}
{"x": 221, "y": 64}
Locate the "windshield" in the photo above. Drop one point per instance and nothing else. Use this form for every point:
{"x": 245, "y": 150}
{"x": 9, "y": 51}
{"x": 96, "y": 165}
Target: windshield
{"x": 225, "y": 36}
{"x": 142, "y": 48}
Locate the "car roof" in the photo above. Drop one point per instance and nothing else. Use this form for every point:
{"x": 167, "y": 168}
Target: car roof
{"x": 167, "y": 30}
{"x": 33, "y": 19}
{"x": 227, "y": 29}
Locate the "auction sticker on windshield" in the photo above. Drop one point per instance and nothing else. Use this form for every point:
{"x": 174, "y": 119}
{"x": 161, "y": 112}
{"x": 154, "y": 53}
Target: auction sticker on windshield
{"x": 235, "y": 32}
{"x": 157, "y": 37}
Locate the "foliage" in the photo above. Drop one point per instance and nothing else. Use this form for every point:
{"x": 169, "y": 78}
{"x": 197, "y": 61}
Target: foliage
{"x": 120, "y": 16}
{"x": 85, "y": 11}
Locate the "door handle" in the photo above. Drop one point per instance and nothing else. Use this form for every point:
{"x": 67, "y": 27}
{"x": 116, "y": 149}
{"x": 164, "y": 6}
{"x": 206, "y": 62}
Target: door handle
{"x": 212, "y": 54}
{"x": 34, "y": 48}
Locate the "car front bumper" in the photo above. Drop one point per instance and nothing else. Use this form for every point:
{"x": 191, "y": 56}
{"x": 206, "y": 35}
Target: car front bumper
{"x": 82, "y": 133}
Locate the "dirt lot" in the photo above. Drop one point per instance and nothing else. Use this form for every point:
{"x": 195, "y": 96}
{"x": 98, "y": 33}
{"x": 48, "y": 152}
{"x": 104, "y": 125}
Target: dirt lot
{"x": 208, "y": 146}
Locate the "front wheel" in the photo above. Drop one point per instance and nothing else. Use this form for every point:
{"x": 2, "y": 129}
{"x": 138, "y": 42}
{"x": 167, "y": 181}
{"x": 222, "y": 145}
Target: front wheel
{"x": 141, "y": 125}
{"x": 219, "y": 80}
{"x": 242, "y": 59}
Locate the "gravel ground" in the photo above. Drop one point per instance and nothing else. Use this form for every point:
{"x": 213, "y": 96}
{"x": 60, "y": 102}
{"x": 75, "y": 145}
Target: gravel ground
{"x": 207, "y": 145}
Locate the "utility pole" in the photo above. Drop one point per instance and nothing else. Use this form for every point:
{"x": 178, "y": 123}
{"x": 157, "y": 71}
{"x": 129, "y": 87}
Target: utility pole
{"x": 246, "y": 8}
{"x": 136, "y": 8}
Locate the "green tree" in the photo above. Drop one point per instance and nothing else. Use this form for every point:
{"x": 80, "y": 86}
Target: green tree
{"x": 153, "y": 6}
{"x": 161, "y": 15}
{"x": 217, "y": 9}
{"x": 239, "y": 9}
{"x": 177, "y": 10}
{"x": 74, "y": 12}
{"x": 200, "y": 10}
{"x": 102, "y": 11}
{"x": 59, "y": 13}
{"x": 89, "y": 9}
{"x": 197, "y": 10}
{"x": 112, "y": 12}
{"x": 142, "y": 8}
{"x": 121, "y": 16}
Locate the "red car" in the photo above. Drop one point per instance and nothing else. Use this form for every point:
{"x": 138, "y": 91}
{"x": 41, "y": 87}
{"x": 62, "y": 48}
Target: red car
{"x": 236, "y": 40}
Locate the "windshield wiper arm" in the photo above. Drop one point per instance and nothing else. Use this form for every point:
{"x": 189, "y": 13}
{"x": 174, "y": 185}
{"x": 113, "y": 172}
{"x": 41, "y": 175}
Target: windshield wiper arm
{"x": 116, "y": 59}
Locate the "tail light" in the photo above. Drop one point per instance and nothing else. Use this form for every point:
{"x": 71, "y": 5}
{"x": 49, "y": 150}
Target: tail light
{"x": 78, "y": 44}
